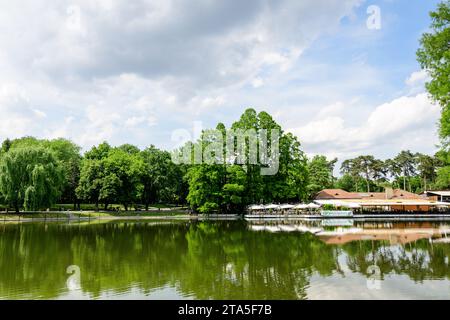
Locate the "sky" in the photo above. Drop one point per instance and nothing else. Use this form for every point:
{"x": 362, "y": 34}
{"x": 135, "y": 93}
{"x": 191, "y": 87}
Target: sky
{"x": 341, "y": 77}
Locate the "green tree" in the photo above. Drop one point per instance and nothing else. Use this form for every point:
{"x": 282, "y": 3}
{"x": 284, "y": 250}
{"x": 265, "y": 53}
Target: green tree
{"x": 6, "y": 145}
{"x": 320, "y": 174}
{"x": 426, "y": 167}
{"x": 111, "y": 174}
{"x": 109, "y": 191}
{"x": 128, "y": 168}
{"x": 347, "y": 182}
{"x": 100, "y": 152}
{"x": 434, "y": 57}
{"x": 231, "y": 185}
{"x": 443, "y": 178}
{"x": 162, "y": 180}
{"x": 350, "y": 169}
{"x": 30, "y": 178}
{"x": 233, "y": 190}
{"x": 406, "y": 163}
{"x": 129, "y": 148}
{"x": 367, "y": 167}
{"x": 66, "y": 152}
{"x": 91, "y": 181}
{"x": 205, "y": 187}
{"x": 69, "y": 157}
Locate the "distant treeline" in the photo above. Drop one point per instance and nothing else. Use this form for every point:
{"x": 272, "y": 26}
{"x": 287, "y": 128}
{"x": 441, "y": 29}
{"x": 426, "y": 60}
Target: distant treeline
{"x": 35, "y": 174}
{"x": 414, "y": 172}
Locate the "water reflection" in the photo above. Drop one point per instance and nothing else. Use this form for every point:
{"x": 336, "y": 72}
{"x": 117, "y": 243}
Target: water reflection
{"x": 223, "y": 260}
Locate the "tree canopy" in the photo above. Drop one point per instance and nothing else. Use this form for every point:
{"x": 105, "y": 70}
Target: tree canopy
{"x": 434, "y": 57}
{"x": 30, "y": 177}
{"x": 228, "y": 186}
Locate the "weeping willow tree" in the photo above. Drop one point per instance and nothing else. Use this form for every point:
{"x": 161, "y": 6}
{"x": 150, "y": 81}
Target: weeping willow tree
{"x": 31, "y": 178}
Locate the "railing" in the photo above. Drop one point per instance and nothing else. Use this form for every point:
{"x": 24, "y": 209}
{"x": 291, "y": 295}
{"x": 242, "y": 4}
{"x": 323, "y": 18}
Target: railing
{"x": 336, "y": 213}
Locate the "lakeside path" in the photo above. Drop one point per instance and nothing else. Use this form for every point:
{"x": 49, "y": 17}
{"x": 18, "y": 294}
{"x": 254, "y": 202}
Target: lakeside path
{"x": 68, "y": 217}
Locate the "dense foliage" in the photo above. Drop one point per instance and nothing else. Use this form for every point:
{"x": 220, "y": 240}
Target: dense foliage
{"x": 434, "y": 57}
{"x": 228, "y": 187}
{"x": 415, "y": 172}
{"x": 30, "y": 178}
{"x": 35, "y": 174}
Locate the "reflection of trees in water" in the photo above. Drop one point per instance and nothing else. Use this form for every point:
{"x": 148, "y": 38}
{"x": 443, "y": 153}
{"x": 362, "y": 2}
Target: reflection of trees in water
{"x": 419, "y": 260}
{"x": 218, "y": 260}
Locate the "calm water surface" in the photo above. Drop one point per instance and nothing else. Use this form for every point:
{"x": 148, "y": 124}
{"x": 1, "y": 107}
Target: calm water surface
{"x": 225, "y": 260}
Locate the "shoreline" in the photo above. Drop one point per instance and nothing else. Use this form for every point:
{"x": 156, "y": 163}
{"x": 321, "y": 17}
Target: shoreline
{"x": 445, "y": 216}
{"x": 187, "y": 217}
{"x": 184, "y": 217}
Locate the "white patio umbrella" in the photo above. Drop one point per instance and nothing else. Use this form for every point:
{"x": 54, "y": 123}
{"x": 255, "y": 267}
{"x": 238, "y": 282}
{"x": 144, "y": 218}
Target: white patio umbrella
{"x": 256, "y": 207}
{"x": 272, "y": 206}
{"x": 301, "y": 206}
{"x": 312, "y": 205}
{"x": 286, "y": 206}
{"x": 346, "y": 204}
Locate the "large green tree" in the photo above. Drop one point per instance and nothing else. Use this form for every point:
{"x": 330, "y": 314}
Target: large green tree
{"x": 426, "y": 168}
{"x": 69, "y": 157}
{"x": 405, "y": 163}
{"x": 320, "y": 173}
{"x": 434, "y": 57}
{"x": 228, "y": 185}
{"x": 30, "y": 177}
{"x": 91, "y": 181}
{"x": 162, "y": 180}
{"x": 443, "y": 171}
{"x": 67, "y": 154}
{"x": 367, "y": 167}
{"x": 111, "y": 175}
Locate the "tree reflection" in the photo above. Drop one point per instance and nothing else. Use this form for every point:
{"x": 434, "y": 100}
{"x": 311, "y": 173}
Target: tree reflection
{"x": 205, "y": 260}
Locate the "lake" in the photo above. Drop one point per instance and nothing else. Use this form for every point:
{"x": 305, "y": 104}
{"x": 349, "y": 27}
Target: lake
{"x": 345, "y": 259}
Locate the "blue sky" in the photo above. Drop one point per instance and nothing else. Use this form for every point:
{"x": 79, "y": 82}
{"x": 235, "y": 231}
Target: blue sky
{"x": 138, "y": 71}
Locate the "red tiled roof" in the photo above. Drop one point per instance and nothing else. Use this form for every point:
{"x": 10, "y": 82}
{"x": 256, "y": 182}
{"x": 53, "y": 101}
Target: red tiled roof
{"x": 336, "y": 194}
{"x": 342, "y": 194}
{"x": 372, "y": 195}
{"x": 402, "y": 194}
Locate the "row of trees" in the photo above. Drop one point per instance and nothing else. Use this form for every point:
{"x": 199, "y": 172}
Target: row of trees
{"x": 411, "y": 171}
{"x": 35, "y": 174}
{"x": 128, "y": 176}
{"x": 415, "y": 172}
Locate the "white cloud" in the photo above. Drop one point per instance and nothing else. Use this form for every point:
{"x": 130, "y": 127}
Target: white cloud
{"x": 135, "y": 71}
{"x": 405, "y": 122}
{"x": 331, "y": 110}
{"x": 39, "y": 113}
{"x": 257, "y": 82}
{"x": 17, "y": 114}
{"x": 415, "y": 82}
{"x": 417, "y": 77}
{"x": 221, "y": 42}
